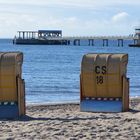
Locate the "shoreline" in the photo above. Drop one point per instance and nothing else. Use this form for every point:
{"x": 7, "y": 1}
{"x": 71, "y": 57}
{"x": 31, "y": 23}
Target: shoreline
{"x": 49, "y": 104}
{"x": 69, "y": 102}
{"x": 66, "y": 122}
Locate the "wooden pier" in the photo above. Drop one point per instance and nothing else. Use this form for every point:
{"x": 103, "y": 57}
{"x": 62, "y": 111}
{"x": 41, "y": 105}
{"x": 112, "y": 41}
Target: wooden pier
{"x": 54, "y": 37}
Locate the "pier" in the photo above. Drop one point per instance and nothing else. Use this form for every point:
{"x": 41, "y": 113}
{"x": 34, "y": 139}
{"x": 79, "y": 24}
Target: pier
{"x": 54, "y": 37}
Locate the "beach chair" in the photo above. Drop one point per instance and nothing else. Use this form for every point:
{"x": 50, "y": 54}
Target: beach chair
{"x": 12, "y": 87}
{"x": 104, "y": 86}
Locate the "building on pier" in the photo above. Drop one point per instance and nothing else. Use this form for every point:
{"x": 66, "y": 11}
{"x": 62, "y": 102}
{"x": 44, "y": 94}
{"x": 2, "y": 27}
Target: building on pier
{"x": 40, "y": 37}
{"x": 39, "y": 34}
{"x": 137, "y": 38}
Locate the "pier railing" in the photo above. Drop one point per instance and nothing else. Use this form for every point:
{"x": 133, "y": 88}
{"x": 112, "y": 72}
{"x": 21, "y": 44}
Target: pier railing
{"x": 93, "y": 37}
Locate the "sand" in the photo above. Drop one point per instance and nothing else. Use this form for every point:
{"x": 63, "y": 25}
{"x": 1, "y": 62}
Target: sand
{"x": 62, "y": 122}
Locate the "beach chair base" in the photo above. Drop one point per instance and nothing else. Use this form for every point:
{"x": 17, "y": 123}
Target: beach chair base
{"x": 9, "y": 111}
{"x": 100, "y": 106}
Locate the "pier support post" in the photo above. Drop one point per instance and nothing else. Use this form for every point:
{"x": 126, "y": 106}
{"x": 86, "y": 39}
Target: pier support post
{"x": 27, "y": 35}
{"x": 79, "y": 42}
{"x": 68, "y": 42}
{"x": 76, "y": 42}
{"x": 120, "y": 42}
{"x": 135, "y": 41}
{"x": 19, "y": 34}
{"x": 91, "y": 42}
{"x": 105, "y": 42}
{"x": 32, "y": 35}
{"x": 23, "y": 35}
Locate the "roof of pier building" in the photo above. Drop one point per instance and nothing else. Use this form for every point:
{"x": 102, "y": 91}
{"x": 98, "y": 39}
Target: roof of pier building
{"x": 50, "y": 31}
{"x": 137, "y": 30}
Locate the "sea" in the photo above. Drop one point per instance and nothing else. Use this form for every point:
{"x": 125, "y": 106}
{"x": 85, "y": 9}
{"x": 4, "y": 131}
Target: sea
{"x": 51, "y": 73}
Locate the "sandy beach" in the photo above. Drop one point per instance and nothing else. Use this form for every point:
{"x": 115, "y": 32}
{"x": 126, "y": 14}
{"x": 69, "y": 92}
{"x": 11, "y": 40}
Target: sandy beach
{"x": 67, "y": 122}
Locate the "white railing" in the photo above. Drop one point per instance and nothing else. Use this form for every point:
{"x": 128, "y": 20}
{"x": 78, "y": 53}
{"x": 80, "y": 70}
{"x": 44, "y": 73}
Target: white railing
{"x": 130, "y": 37}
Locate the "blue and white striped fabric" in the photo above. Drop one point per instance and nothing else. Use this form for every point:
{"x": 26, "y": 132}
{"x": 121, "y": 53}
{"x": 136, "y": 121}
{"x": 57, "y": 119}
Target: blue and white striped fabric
{"x": 8, "y": 111}
{"x": 100, "y": 106}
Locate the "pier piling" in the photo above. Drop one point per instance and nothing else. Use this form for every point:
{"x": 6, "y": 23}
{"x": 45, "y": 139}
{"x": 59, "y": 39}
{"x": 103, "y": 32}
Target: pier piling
{"x": 105, "y": 42}
{"x": 91, "y": 42}
{"x": 120, "y": 42}
{"x": 135, "y": 41}
{"x": 76, "y": 42}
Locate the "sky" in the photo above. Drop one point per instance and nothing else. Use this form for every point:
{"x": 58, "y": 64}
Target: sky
{"x": 73, "y": 17}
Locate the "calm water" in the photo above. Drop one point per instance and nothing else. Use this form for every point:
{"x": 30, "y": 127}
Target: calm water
{"x": 52, "y": 73}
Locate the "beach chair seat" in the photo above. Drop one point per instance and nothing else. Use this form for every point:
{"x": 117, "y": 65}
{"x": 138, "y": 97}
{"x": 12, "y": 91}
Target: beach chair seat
{"x": 104, "y": 86}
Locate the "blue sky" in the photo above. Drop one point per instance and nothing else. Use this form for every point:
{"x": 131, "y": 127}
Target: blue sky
{"x": 74, "y": 17}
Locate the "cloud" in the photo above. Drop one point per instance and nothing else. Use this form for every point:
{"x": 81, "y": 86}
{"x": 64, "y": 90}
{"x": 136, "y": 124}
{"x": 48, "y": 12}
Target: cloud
{"x": 72, "y": 3}
{"x": 71, "y": 25}
{"x": 80, "y": 17}
{"x": 120, "y": 17}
